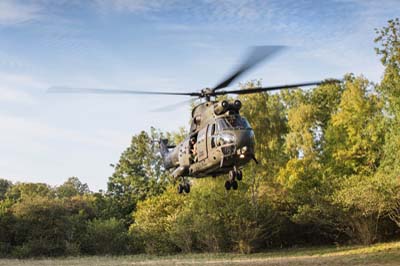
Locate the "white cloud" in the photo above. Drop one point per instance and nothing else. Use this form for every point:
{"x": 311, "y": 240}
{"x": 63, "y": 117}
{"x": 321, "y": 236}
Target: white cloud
{"x": 249, "y": 9}
{"x": 20, "y": 80}
{"x": 14, "y": 96}
{"x": 134, "y": 6}
{"x": 14, "y": 12}
{"x": 18, "y": 89}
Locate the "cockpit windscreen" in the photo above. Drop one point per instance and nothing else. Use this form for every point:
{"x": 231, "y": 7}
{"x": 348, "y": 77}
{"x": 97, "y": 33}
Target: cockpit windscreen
{"x": 232, "y": 122}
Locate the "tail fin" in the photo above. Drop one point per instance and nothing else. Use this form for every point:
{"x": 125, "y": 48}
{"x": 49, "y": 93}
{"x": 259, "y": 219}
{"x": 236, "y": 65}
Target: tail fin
{"x": 170, "y": 158}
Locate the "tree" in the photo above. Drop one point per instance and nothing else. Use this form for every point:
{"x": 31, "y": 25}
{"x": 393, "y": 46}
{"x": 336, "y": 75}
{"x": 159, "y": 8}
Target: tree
{"x": 154, "y": 219}
{"x": 267, "y": 116}
{"x": 301, "y": 179}
{"x": 138, "y": 175}
{"x": 355, "y": 138}
{"x": 4, "y": 186}
{"x": 356, "y": 134}
{"x": 72, "y": 187}
{"x": 20, "y": 191}
{"x": 7, "y": 222}
{"x": 388, "y": 40}
{"x": 41, "y": 227}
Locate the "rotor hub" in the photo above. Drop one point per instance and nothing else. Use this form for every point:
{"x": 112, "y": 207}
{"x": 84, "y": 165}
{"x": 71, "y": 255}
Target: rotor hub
{"x": 206, "y": 93}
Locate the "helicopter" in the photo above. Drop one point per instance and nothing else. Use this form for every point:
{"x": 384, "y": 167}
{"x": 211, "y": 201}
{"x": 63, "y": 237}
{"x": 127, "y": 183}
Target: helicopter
{"x": 220, "y": 141}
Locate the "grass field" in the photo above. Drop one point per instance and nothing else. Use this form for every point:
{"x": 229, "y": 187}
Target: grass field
{"x": 379, "y": 254}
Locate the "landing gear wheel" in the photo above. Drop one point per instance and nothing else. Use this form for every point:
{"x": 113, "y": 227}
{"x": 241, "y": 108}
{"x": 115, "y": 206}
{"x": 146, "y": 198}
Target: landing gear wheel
{"x": 186, "y": 187}
{"x": 239, "y": 175}
{"x": 234, "y": 185}
{"x": 227, "y": 185}
{"x": 180, "y": 188}
{"x": 232, "y": 175}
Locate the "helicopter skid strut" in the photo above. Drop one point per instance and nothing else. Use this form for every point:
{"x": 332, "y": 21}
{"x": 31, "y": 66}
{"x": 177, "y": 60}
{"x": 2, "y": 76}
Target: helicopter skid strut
{"x": 234, "y": 175}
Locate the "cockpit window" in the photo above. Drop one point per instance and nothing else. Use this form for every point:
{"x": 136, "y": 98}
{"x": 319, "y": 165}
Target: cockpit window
{"x": 232, "y": 122}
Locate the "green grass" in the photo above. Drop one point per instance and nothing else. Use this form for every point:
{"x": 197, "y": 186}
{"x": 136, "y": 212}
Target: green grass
{"x": 379, "y": 254}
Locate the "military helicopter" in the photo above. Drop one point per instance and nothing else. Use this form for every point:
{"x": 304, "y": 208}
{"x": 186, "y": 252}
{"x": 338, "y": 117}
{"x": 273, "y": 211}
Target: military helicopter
{"x": 220, "y": 141}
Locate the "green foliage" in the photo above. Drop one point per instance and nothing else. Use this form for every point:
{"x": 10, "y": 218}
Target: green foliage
{"x": 389, "y": 170}
{"x": 355, "y": 140}
{"x": 46, "y": 226}
{"x": 154, "y": 219}
{"x": 208, "y": 219}
{"x": 21, "y": 191}
{"x": 267, "y": 115}
{"x": 356, "y": 133}
{"x": 138, "y": 174}
{"x": 388, "y": 40}
{"x": 41, "y": 227}
{"x": 72, "y": 187}
{"x": 6, "y": 235}
{"x": 4, "y": 186}
{"x": 106, "y": 237}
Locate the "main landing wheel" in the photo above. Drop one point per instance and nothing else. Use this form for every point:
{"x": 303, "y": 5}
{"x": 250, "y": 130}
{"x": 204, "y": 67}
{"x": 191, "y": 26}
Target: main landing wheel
{"x": 239, "y": 175}
{"x": 231, "y": 182}
{"x": 234, "y": 185}
{"x": 180, "y": 188}
{"x": 186, "y": 187}
{"x": 228, "y": 185}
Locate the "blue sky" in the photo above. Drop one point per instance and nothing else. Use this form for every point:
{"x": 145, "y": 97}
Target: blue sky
{"x": 176, "y": 45}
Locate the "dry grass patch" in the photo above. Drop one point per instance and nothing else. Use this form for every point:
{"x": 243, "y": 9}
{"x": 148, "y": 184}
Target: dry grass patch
{"x": 381, "y": 254}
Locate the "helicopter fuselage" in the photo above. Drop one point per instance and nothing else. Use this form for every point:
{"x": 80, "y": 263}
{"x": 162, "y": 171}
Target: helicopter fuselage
{"x": 220, "y": 140}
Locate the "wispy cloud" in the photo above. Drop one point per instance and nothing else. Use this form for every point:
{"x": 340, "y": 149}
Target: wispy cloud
{"x": 17, "y": 88}
{"x": 13, "y": 62}
{"x": 14, "y": 96}
{"x": 15, "y": 12}
{"x": 136, "y": 6}
{"x": 208, "y": 10}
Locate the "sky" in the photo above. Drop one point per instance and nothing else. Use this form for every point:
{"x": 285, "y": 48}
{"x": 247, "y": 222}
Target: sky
{"x": 162, "y": 45}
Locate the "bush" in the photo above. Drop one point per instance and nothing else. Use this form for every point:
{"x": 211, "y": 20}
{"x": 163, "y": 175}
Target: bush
{"x": 106, "y": 237}
{"x": 41, "y": 227}
{"x": 154, "y": 220}
{"x": 208, "y": 219}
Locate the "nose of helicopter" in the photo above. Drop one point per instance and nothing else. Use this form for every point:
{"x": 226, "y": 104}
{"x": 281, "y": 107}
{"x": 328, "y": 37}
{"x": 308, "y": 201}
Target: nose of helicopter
{"x": 244, "y": 141}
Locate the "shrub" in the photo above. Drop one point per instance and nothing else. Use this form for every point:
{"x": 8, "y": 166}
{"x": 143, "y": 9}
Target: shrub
{"x": 106, "y": 237}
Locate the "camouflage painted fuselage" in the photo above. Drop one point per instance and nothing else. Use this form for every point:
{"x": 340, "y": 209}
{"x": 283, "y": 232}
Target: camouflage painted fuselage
{"x": 224, "y": 140}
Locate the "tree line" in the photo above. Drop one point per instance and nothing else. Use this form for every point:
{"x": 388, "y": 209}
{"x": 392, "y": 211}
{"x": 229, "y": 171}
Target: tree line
{"x": 328, "y": 173}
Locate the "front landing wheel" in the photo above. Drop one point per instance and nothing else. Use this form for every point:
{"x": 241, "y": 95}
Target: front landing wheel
{"x": 227, "y": 185}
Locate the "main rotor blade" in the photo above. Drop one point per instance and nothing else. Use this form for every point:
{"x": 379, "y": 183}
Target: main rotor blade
{"x": 172, "y": 107}
{"x": 109, "y": 91}
{"x": 279, "y": 87}
{"x": 255, "y": 56}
